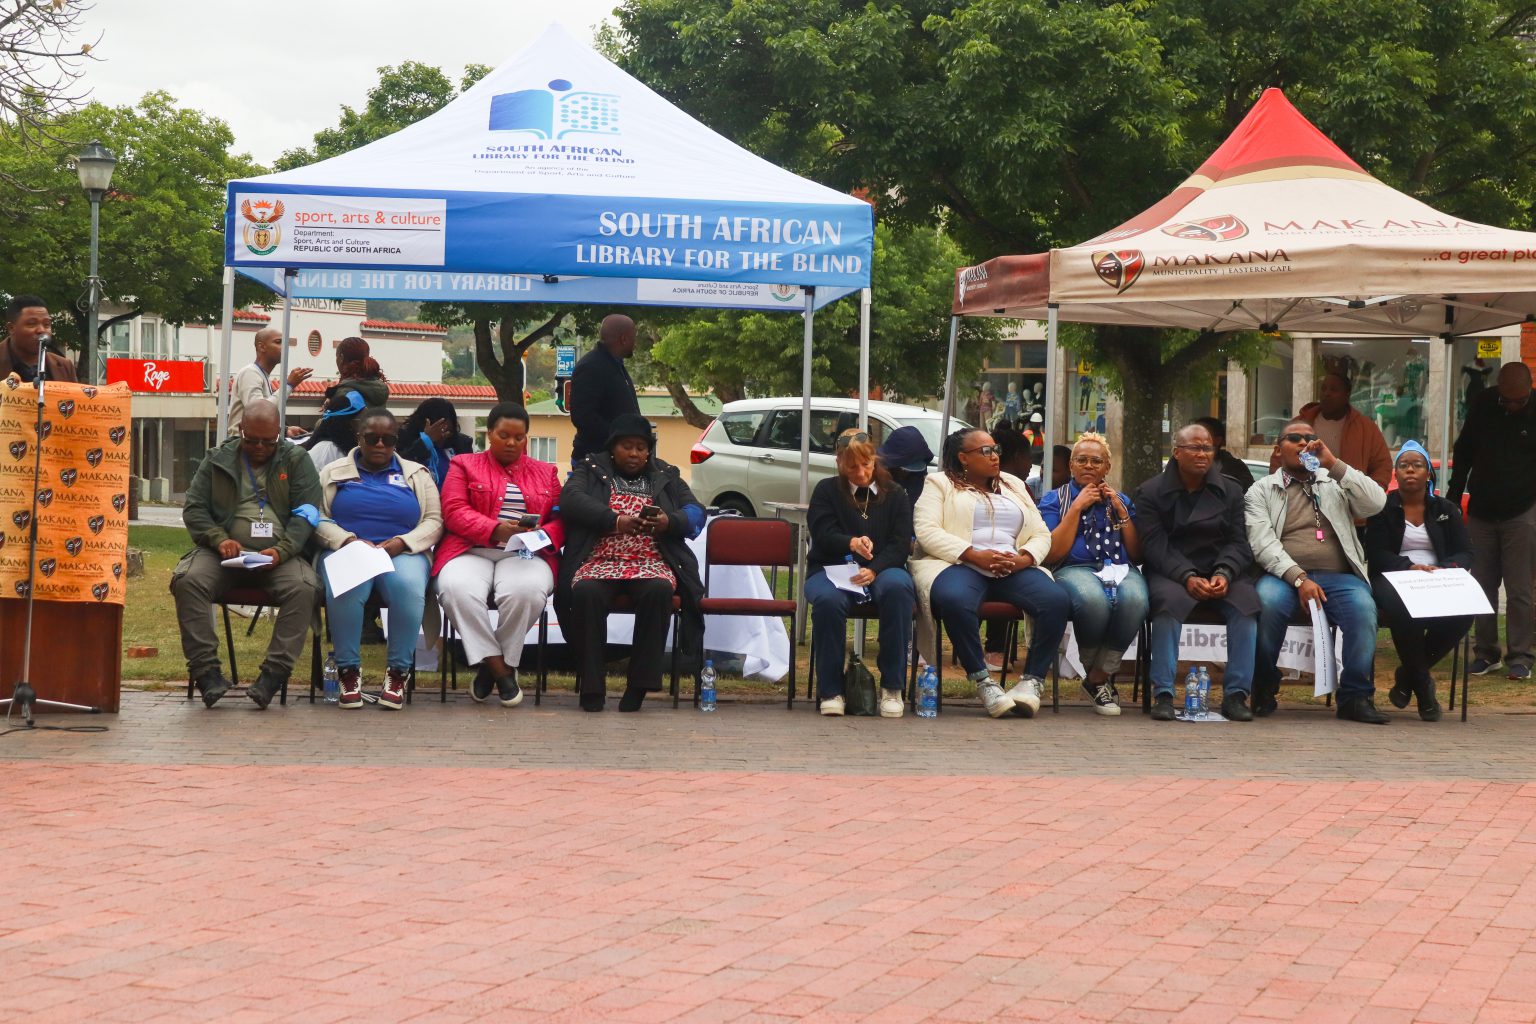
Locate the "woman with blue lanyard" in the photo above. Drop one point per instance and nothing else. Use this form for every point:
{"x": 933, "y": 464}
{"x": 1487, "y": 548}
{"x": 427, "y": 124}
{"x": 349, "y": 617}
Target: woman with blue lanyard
{"x": 372, "y": 496}
{"x": 1093, "y": 547}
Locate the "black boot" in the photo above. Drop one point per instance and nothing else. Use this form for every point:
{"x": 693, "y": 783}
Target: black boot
{"x": 632, "y": 699}
{"x": 266, "y": 684}
{"x": 212, "y": 685}
{"x": 1234, "y": 707}
{"x": 1424, "y": 690}
{"x": 1361, "y": 709}
{"x": 1401, "y": 689}
{"x": 593, "y": 701}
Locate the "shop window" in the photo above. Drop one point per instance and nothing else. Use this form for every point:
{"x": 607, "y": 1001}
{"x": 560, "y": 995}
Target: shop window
{"x": 1390, "y": 376}
{"x": 1270, "y": 391}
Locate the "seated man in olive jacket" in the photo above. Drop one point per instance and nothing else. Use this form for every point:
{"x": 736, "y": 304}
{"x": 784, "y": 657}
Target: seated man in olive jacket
{"x": 249, "y": 494}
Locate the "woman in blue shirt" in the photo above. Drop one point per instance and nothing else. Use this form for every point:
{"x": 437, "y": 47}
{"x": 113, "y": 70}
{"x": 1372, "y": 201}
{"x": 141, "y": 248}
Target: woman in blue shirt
{"x": 372, "y": 496}
{"x": 1094, "y": 546}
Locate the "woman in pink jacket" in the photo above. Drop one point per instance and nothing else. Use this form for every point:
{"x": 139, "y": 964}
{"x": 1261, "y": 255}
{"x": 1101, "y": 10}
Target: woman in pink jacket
{"x": 488, "y": 498}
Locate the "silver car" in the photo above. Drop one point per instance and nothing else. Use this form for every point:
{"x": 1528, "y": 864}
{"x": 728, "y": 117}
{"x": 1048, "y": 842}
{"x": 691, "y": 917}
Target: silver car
{"x": 750, "y": 455}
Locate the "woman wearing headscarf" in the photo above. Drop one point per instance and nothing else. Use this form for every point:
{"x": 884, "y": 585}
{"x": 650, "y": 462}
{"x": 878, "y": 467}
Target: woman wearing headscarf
{"x": 431, "y": 436}
{"x": 1417, "y": 529}
{"x": 628, "y": 516}
{"x": 360, "y": 385}
{"x": 981, "y": 538}
{"x": 1094, "y": 548}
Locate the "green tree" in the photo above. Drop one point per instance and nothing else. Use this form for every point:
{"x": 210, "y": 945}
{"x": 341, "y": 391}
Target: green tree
{"x": 162, "y": 222}
{"x": 1027, "y": 124}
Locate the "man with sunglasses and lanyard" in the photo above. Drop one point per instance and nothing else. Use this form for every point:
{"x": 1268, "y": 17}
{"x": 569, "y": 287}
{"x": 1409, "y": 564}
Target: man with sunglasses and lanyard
{"x": 1301, "y": 526}
{"x": 259, "y": 493}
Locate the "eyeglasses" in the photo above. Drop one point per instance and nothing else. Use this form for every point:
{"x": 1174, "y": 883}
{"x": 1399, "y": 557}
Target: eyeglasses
{"x": 844, "y": 440}
{"x": 1198, "y": 449}
{"x": 1295, "y": 438}
{"x": 387, "y": 440}
{"x": 1088, "y": 460}
{"x": 258, "y": 442}
{"x": 986, "y": 449}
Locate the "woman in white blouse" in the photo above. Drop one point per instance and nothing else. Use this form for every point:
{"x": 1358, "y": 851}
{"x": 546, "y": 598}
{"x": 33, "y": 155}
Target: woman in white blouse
{"x": 981, "y": 539}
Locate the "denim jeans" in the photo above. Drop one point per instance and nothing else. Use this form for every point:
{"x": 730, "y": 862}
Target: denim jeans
{"x": 404, "y": 591}
{"x": 1242, "y": 631}
{"x": 893, "y": 595}
{"x": 1350, "y": 607}
{"x": 956, "y": 600}
{"x": 1103, "y": 633}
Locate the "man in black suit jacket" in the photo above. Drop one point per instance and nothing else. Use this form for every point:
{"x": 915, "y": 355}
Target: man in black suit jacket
{"x": 601, "y": 390}
{"x": 1195, "y": 547}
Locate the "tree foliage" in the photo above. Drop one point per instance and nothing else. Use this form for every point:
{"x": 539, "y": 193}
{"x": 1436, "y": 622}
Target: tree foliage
{"x": 162, "y": 222}
{"x": 41, "y": 63}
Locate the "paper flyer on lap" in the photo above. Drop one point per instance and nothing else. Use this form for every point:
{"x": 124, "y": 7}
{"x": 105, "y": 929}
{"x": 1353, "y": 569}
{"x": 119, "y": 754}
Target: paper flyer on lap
{"x": 1324, "y": 668}
{"x": 355, "y": 564}
{"x": 1444, "y": 592}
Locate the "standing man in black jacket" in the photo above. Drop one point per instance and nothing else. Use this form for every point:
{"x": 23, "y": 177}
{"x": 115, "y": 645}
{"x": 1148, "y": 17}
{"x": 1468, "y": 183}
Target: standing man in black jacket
{"x": 1494, "y": 459}
{"x": 601, "y": 390}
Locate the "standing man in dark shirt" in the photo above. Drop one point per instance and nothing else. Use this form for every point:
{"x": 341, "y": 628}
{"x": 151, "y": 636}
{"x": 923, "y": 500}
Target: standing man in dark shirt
{"x": 601, "y": 390}
{"x": 26, "y": 321}
{"x": 1495, "y": 459}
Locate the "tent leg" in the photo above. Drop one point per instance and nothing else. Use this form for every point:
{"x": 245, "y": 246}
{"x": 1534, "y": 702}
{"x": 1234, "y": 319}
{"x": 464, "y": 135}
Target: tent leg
{"x": 1052, "y": 406}
{"x": 864, "y": 303}
{"x": 949, "y": 382}
{"x": 222, "y": 377}
{"x": 1448, "y": 411}
{"x": 282, "y": 372}
{"x": 805, "y": 398}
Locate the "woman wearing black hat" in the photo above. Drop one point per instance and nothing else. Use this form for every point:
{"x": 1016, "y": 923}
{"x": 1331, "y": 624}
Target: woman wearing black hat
{"x": 628, "y": 516}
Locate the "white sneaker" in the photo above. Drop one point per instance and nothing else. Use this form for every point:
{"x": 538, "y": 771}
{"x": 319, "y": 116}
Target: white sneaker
{"x": 833, "y": 706}
{"x": 891, "y": 704}
{"x": 1103, "y": 697}
{"x": 1026, "y": 696}
{"x": 993, "y": 698}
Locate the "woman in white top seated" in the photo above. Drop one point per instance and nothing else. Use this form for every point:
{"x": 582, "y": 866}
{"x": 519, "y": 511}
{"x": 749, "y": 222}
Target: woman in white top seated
{"x": 1417, "y": 529}
{"x": 981, "y": 539}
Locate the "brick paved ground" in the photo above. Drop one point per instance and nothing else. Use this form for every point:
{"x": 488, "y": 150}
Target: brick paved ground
{"x": 460, "y": 863}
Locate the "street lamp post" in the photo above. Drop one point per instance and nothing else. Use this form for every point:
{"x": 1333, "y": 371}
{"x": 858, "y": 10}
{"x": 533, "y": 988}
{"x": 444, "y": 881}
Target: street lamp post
{"x": 94, "y": 163}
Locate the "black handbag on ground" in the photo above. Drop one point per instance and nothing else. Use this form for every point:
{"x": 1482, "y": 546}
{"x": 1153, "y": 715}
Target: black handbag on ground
{"x": 860, "y": 694}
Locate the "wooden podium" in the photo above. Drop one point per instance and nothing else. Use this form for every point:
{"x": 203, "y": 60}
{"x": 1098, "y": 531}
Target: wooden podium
{"x": 77, "y": 652}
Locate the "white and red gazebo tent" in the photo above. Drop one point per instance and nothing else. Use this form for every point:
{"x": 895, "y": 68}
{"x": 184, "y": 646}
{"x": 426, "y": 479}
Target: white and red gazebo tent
{"x": 1278, "y": 230}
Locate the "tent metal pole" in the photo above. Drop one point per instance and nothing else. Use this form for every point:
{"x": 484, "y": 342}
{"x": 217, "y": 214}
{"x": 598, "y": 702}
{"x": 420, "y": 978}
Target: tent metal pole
{"x": 949, "y": 382}
{"x": 1052, "y": 386}
{"x": 1449, "y": 404}
{"x": 222, "y": 376}
{"x": 805, "y": 398}
{"x": 282, "y": 371}
{"x": 865, "y": 297}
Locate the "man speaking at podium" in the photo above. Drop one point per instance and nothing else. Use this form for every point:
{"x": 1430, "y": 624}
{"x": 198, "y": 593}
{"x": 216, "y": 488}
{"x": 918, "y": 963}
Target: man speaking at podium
{"x": 248, "y": 495}
{"x": 27, "y": 324}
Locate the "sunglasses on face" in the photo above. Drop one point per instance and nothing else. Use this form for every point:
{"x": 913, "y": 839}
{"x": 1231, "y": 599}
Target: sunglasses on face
{"x": 844, "y": 440}
{"x": 985, "y": 449}
{"x": 1295, "y": 438}
{"x": 387, "y": 440}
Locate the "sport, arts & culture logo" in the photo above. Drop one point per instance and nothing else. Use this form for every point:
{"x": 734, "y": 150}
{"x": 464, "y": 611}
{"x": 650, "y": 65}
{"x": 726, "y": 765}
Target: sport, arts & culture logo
{"x": 262, "y": 234}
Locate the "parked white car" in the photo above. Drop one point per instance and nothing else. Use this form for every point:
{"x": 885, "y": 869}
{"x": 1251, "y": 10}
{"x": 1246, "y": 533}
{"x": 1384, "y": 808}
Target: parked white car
{"x": 750, "y": 455}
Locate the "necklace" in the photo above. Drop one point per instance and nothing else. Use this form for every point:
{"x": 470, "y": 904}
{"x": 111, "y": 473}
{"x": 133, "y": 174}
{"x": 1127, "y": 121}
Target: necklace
{"x": 863, "y": 505}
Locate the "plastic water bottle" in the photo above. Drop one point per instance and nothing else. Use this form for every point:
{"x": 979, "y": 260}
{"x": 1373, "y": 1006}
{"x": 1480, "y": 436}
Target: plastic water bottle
{"x": 707, "y": 687}
{"x": 1192, "y": 693}
{"x": 1205, "y": 691}
{"x": 928, "y": 693}
{"x": 1310, "y": 462}
{"x": 331, "y": 676}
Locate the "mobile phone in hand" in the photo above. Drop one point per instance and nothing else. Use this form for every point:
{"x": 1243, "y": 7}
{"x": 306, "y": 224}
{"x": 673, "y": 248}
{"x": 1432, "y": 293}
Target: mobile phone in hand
{"x": 527, "y": 522}
{"x": 651, "y": 511}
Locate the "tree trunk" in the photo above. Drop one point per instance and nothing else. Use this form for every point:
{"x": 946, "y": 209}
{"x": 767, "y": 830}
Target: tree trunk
{"x": 504, "y": 369}
{"x": 692, "y": 415}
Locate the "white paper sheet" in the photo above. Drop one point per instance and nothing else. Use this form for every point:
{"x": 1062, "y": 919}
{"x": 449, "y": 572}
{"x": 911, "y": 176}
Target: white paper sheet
{"x": 355, "y": 564}
{"x": 533, "y": 540}
{"x": 247, "y": 560}
{"x": 842, "y": 578}
{"x": 1323, "y": 667}
{"x": 1434, "y": 595}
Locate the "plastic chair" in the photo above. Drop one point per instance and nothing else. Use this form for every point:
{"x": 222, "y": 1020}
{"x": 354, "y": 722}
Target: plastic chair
{"x": 766, "y": 543}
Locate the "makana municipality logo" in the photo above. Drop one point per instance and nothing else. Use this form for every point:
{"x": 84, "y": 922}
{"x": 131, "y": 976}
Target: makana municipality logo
{"x": 1224, "y": 228}
{"x": 555, "y": 112}
{"x": 262, "y": 234}
{"x": 1119, "y": 269}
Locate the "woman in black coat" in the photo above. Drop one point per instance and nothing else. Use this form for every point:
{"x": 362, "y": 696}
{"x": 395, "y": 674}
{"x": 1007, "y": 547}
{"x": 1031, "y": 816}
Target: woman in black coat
{"x": 1417, "y": 529}
{"x": 431, "y": 436}
{"x": 613, "y": 547}
{"x": 860, "y": 516}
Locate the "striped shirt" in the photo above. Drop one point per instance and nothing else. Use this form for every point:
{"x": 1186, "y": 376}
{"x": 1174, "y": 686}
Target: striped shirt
{"x": 513, "y": 507}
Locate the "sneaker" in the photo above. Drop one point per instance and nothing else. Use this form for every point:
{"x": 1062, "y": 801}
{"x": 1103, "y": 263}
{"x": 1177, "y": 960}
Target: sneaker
{"x": 481, "y": 688}
{"x": 1103, "y": 697}
{"x": 506, "y": 688}
{"x": 832, "y": 707}
{"x": 1482, "y": 666}
{"x": 891, "y": 704}
{"x": 993, "y": 698}
{"x": 1162, "y": 708}
{"x": 1026, "y": 696}
{"x": 393, "y": 694}
{"x": 1520, "y": 672}
{"x": 351, "y": 689}
{"x": 212, "y": 685}
{"x": 995, "y": 662}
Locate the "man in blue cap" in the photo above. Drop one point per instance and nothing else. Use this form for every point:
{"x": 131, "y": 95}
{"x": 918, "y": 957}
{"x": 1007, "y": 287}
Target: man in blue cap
{"x": 906, "y": 456}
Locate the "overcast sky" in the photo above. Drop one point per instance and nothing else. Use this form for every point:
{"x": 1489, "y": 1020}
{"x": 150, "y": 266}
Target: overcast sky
{"x": 279, "y": 71}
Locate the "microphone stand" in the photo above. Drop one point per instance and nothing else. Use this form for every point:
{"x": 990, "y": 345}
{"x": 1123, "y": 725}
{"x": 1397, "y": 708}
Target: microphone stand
{"x": 22, "y": 694}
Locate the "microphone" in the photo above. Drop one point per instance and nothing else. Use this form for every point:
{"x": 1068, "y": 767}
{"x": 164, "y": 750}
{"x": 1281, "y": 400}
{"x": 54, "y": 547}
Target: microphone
{"x": 43, "y": 341}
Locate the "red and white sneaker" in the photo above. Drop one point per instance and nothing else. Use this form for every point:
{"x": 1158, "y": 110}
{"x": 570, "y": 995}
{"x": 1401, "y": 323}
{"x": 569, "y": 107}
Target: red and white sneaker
{"x": 351, "y": 688}
{"x": 393, "y": 694}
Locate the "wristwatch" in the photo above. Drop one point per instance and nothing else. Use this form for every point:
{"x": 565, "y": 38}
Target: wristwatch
{"x": 1299, "y": 581}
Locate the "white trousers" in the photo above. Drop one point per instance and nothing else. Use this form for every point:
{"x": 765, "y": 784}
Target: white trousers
{"x": 518, "y": 587}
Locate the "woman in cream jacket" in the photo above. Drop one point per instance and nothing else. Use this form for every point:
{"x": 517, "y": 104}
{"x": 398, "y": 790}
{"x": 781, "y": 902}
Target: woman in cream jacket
{"x": 981, "y": 539}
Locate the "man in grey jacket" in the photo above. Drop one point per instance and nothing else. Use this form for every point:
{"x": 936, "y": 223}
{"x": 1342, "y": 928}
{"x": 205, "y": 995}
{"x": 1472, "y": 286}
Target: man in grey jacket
{"x": 1302, "y": 531}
